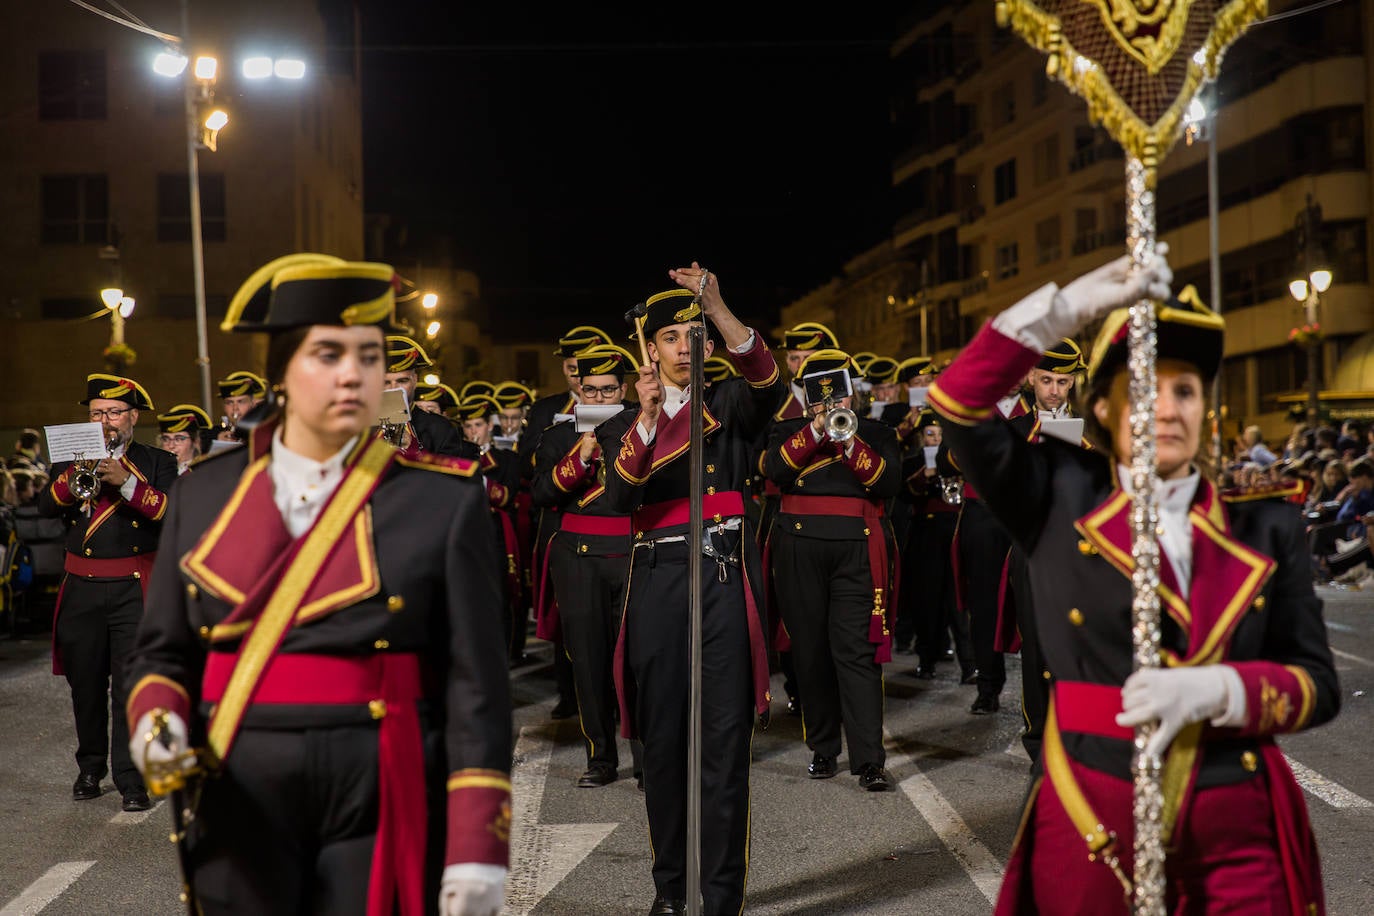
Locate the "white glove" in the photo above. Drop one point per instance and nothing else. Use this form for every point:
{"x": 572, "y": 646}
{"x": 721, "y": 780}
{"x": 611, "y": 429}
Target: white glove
{"x": 1049, "y": 314}
{"x": 1178, "y": 697}
{"x": 144, "y": 748}
{"x": 472, "y": 889}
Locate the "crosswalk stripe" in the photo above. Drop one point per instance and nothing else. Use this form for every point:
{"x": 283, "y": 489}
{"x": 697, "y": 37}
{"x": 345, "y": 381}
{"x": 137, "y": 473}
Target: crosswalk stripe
{"x": 46, "y": 889}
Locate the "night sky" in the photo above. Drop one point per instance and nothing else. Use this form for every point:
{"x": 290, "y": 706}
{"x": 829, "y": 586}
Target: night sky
{"x": 571, "y": 161}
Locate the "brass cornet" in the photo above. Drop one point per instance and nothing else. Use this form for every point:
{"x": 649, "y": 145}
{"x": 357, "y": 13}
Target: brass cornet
{"x": 85, "y": 483}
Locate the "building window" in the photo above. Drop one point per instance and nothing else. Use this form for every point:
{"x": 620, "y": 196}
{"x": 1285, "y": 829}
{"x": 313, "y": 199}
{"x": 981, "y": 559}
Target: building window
{"x": 183, "y": 305}
{"x": 527, "y": 366}
{"x": 1040, "y": 88}
{"x": 76, "y": 209}
{"x": 70, "y": 307}
{"x": 1047, "y": 240}
{"x": 174, "y": 207}
{"x": 1046, "y": 160}
{"x": 1004, "y": 182}
{"x": 1005, "y": 261}
{"x": 71, "y": 85}
{"x": 1003, "y": 104}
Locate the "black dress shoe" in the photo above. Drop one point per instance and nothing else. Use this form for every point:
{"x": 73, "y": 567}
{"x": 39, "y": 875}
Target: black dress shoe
{"x": 822, "y": 767}
{"x": 136, "y": 799}
{"x": 664, "y": 906}
{"x": 86, "y": 787}
{"x": 597, "y": 775}
{"x": 565, "y": 708}
{"x": 968, "y": 675}
{"x": 925, "y": 673}
{"x": 874, "y": 778}
{"x": 984, "y": 705}
{"x": 793, "y": 706}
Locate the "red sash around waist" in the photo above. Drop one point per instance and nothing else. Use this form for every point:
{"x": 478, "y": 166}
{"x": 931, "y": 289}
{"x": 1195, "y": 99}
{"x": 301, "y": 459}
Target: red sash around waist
{"x": 609, "y": 525}
{"x": 111, "y": 568}
{"x": 871, "y": 511}
{"x": 388, "y": 685}
{"x": 715, "y": 508}
{"x": 1090, "y": 709}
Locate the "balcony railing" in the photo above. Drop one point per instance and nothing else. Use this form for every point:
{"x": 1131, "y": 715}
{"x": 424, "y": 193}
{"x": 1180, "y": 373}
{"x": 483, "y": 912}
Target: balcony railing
{"x": 1090, "y": 155}
{"x": 1101, "y": 238}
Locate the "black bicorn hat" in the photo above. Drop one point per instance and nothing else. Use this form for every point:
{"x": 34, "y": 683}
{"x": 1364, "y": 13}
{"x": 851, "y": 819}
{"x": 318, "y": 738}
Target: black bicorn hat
{"x": 1064, "y": 358}
{"x": 100, "y": 385}
{"x": 305, "y": 289}
{"x": 607, "y": 359}
{"x": 242, "y": 382}
{"x": 809, "y": 335}
{"x": 183, "y": 418}
{"x": 512, "y": 394}
{"x": 404, "y": 354}
{"x": 670, "y": 307}
{"x": 477, "y": 407}
{"x": 440, "y": 394}
{"x": 580, "y": 338}
{"x": 1185, "y": 329}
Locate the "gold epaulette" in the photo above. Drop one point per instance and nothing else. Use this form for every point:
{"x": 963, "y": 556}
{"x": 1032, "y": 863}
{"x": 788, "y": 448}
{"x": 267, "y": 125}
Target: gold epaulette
{"x": 1250, "y": 494}
{"x": 444, "y": 464}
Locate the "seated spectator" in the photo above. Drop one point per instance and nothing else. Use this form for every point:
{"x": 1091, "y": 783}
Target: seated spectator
{"x": 1300, "y": 443}
{"x": 1357, "y": 499}
{"x": 1256, "y": 450}
{"x": 1351, "y": 441}
{"x": 1331, "y": 482}
{"x": 1326, "y": 439}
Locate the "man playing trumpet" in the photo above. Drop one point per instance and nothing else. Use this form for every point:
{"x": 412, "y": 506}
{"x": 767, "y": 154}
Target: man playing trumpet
{"x": 111, "y": 542}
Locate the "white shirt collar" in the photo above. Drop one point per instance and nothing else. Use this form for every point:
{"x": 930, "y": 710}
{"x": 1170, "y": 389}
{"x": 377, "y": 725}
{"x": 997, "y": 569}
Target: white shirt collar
{"x": 302, "y": 485}
{"x": 674, "y": 398}
{"x": 1176, "y": 539}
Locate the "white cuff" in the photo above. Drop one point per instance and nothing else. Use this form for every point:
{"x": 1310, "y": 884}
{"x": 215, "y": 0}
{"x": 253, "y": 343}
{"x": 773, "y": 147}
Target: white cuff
{"x": 476, "y": 871}
{"x": 127, "y": 488}
{"x": 646, "y": 436}
{"x": 747, "y": 345}
{"x": 1237, "y": 709}
{"x": 1029, "y": 321}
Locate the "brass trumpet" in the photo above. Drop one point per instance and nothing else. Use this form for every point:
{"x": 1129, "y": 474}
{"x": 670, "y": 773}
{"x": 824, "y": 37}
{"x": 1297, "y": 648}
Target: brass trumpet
{"x": 840, "y": 422}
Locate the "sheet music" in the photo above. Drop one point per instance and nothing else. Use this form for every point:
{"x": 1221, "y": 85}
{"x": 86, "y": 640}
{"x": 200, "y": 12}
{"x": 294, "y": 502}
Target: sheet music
{"x": 590, "y": 416}
{"x": 67, "y": 440}
{"x": 1070, "y": 429}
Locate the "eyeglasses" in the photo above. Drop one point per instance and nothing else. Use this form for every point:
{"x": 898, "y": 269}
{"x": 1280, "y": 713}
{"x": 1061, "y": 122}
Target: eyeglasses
{"x": 114, "y": 413}
{"x": 605, "y": 391}
{"x": 176, "y": 438}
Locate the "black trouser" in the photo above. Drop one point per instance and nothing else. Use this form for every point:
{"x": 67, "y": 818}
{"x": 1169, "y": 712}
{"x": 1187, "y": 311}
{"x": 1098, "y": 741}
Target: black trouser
{"x": 657, "y": 642}
{"x": 548, "y": 522}
{"x": 96, "y": 623}
{"x": 825, "y": 589}
{"x": 932, "y": 589}
{"x": 289, "y": 825}
{"x": 983, "y": 545}
{"x": 768, "y": 516}
{"x": 591, "y": 592}
{"x": 1035, "y": 686}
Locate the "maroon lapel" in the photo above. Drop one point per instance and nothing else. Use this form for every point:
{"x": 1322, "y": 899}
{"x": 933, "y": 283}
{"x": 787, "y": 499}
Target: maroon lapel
{"x": 673, "y": 437}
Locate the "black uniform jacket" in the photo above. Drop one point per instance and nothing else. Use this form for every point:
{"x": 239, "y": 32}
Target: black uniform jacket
{"x": 1250, "y": 604}
{"x": 801, "y": 465}
{"x": 537, "y": 422}
{"x": 397, "y": 581}
{"x": 116, "y": 528}
{"x": 561, "y": 481}
{"x": 440, "y": 436}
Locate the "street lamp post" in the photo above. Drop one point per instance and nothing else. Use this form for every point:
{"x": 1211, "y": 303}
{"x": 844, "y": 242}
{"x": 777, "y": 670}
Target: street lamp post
{"x": 1202, "y": 125}
{"x": 118, "y": 354}
{"x": 1308, "y": 292}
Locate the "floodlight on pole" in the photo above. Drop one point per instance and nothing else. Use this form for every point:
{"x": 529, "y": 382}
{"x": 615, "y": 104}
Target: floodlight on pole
{"x": 111, "y": 296}
{"x": 1321, "y": 280}
{"x": 206, "y": 68}
{"x": 126, "y": 306}
{"x": 257, "y": 68}
{"x": 1298, "y": 288}
{"x": 169, "y": 64}
{"x": 289, "y": 69}
{"x": 216, "y": 119}
{"x": 432, "y": 330}
{"x": 429, "y": 300}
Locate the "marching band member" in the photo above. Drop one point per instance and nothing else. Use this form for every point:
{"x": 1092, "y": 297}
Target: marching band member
{"x": 112, "y": 538}
{"x": 425, "y": 432}
{"x": 336, "y": 652}
{"x": 239, "y": 392}
{"x": 586, "y": 559}
{"x": 180, "y": 431}
{"x": 537, "y": 420}
{"x": 649, "y": 478}
{"x": 1243, "y": 649}
{"x": 501, "y": 473}
{"x": 833, "y": 558}
{"x": 515, "y": 400}
{"x": 439, "y": 399}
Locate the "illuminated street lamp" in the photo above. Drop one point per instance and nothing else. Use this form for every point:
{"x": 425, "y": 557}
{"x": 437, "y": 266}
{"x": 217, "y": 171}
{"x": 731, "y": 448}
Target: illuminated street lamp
{"x": 1308, "y": 291}
{"x": 431, "y": 378}
{"x": 118, "y": 355}
{"x": 204, "y": 121}
{"x": 429, "y": 300}
{"x": 433, "y": 330}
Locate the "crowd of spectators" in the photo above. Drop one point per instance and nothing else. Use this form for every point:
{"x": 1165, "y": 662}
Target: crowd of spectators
{"x": 30, "y": 545}
{"x": 1330, "y": 473}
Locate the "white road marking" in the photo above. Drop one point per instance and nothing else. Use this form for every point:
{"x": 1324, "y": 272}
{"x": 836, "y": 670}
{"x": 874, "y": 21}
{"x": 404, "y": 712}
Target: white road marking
{"x": 1339, "y": 627}
{"x": 541, "y": 855}
{"x": 135, "y": 817}
{"x": 46, "y": 889}
{"x": 1352, "y": 658}
{"x": 982, "y": 867}
{"x": 1334, "y": 794}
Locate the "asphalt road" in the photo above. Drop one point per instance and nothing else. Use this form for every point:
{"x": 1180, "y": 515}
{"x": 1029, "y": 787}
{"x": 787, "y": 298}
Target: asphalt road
{"x": 937, "y": 845}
